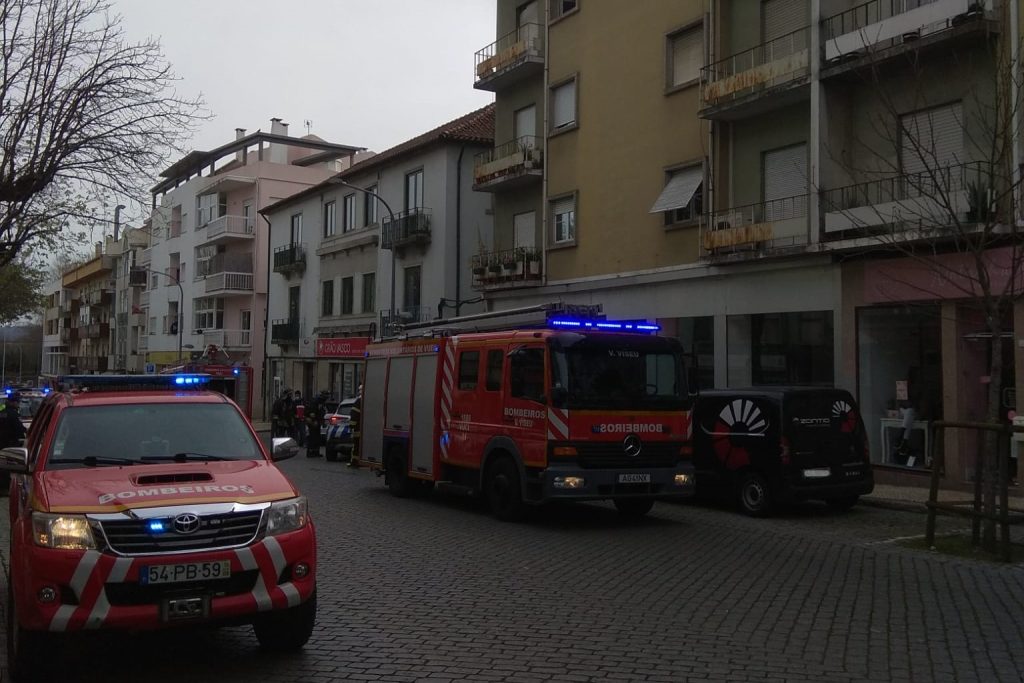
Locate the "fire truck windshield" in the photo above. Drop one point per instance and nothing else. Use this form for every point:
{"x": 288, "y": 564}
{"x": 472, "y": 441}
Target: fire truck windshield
{"x": 618, "y": 372}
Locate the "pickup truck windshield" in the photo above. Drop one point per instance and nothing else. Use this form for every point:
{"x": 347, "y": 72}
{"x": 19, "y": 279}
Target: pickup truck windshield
{"x": 611, "y": 373}
{"x": 91, "y": 436}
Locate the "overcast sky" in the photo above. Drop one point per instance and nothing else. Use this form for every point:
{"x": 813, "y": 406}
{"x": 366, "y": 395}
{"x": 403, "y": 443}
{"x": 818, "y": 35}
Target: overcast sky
{"x": 370, "y": 73}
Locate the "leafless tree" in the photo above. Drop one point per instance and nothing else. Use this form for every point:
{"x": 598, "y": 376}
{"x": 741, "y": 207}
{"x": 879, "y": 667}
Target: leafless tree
{"x": 941, "y": 206}
{"x": 83, "y": 111}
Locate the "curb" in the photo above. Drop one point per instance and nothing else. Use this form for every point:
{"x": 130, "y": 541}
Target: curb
{"x": 889, "y": 504}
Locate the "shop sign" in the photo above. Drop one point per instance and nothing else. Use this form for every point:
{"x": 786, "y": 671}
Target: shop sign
{"x": 342, "y": 347}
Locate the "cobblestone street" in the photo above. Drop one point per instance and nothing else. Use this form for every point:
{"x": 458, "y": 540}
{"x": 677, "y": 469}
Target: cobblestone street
{"x": 436, "y": 589}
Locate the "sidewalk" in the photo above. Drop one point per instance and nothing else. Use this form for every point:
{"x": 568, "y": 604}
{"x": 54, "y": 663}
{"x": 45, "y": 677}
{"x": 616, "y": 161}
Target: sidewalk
{"x": 913, "y": 498}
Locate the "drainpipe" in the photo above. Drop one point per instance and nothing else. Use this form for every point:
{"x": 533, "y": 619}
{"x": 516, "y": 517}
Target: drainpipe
{"x": 266, "y": 316}
{"x": 458, "y": 231}
{"x": 709, "y": 205}
{"x": 547, "y": 160}
{"x": 1015, "y": 103}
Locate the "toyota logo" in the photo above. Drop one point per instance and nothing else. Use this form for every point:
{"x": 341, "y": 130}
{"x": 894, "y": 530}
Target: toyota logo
{"x": 187, "y": 523}
{"x": 632, "y": 445}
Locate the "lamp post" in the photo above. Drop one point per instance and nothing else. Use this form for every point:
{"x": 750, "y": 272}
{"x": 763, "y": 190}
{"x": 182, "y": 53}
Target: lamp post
{"x": 181, "y": 300}
{"x": 391, "y": 214}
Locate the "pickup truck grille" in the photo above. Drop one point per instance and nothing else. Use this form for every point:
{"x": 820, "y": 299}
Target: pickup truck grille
{"x": 612, "y": 455}
{"x": 133, "y": 536}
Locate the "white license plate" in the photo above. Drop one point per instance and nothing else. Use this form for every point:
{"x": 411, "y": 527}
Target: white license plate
{"x": 634, "y": 479}
{"x": 184, "y": 573}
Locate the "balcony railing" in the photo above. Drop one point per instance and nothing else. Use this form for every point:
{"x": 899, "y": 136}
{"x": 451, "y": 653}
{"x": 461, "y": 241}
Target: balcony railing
{"x": 137, "y": 277}
{"x": 510, "y": 163}
{"x": 509, "y": 268}
{"x": 98, "y": 297}
{"x": 226, "y": 227}
{"x": 931, "y": 200}
{"x": 758, "y": 229}
{"x": 89, "y": 363}
{"x": 515, "y": 55}
{"x": 97, "y": 331}
{"x": 290, "y": 258}
{"x": 777, "y": 62}
{"x": 409, "y": 227}
{"x": 229, "y": 282}
{"x": 284, "y": 332}
{"x": 228, "y": 339}
{"x": 391, "y": 321}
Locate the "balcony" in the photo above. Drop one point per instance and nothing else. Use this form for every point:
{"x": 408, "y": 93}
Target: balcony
{"x": 122, "y": 319}
{"x": 290, "y": 258}
{"x": 68, "y": 335}
{"x": 768, "y": 76}
{"x": 97, "y": 331}
{"x": 924, "y": 202}
{"x": 512, "y": 164}
{"x": 773, "y": 228}
{"x": 228, "y": 228}
{"x": 409, "y": 227}
{"x": 391, "y": 321}
{"x": 99, "y": 298}
{"x": 229, "y": 283}
{"x": 284, "y": 332}
{"x": 516, "y": 55}
{"x": 146, "y": 257}
{"x": 89, "y": 364}
{"x": 137, "y": 277}
{"x": 880, "y": 29}
{"x": 228, "y": 339}
{"x": 143, "y": 342}
{"x": 508, "y": 269}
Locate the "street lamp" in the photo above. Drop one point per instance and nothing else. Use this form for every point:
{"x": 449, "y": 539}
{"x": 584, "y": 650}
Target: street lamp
{"x": 391, "y": 214}
{"x": 181, "y": 299}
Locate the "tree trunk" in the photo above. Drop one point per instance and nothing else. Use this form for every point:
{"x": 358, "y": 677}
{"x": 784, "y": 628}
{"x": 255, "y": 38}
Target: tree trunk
{"x": 990, "y": 441}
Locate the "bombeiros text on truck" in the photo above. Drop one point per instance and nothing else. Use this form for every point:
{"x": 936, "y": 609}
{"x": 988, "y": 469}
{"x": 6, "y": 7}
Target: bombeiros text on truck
{"x": 531, "y": 406}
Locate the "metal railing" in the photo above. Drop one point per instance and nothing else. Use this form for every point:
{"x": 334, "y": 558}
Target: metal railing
{"x": 223, "y": 263}
{"x": 137, "y": 277}
{"x": 97, "y": 330}
{"x": 769, "y": 64}
{"x": 762, "y": 212}
{"x": 412, "y": 225}
{"x": 284, "y": 331}
{"x": 752, "y": 228}
{"x": 509, "y": 51}
{"x": 867, "y": 13}
{"x": 238, "y": 282}
{"x": 525, "y": 153}
{"x": 238, "y": 226}
{"x": 507, "y": 267}
{"x": 231, "y": 339}
{"x": 289, "y": 257}
{"x": 936, "y": 182}
{"x": 391, "y": 321}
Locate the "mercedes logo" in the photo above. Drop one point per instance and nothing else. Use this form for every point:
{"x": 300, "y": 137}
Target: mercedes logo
{"x": 187, "y": 523}
{"x": 632, "y": 445}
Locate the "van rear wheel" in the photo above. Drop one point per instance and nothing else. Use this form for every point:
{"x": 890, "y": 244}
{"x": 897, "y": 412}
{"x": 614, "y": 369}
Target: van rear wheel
{"x": 754, "y": 495}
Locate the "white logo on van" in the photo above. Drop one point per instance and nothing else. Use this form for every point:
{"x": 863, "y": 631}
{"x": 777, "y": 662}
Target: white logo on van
{"x": 742, "y": 412}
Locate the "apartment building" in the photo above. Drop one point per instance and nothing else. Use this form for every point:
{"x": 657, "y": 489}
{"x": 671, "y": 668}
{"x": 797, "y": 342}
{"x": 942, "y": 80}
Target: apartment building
{"x": 87, "y": 317}
{"x": 130, "y": 320}
{"x": 384, "y": 243}
{"x": 207, "y": 265}
{"x": 56, "y": 316}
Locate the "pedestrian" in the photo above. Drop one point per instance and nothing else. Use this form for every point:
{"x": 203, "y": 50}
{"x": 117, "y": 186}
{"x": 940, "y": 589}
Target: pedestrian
{"x": 12, "y": 431}
{"x": 288, "y": 415}
{"x": 314, "y": 419}
{"x": 299, "y": 406}
{"x": 277, "y": 415}
{"x": 355, "y": 424}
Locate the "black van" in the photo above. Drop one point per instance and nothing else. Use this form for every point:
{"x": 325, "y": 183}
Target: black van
{"x": 768, "y": 445}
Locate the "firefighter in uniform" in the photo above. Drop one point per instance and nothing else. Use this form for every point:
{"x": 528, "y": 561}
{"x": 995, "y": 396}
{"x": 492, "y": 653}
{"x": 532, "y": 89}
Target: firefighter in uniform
{"x": 11, "y": 429}
{"x": 314, "y": 418}
{"x": 355, "y": 423}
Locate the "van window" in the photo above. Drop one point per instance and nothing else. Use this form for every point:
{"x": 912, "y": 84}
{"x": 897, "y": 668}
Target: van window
{"x": 469, "y": 369}
{"x": 495, "y": 364}
{"x": 526, "y": 374}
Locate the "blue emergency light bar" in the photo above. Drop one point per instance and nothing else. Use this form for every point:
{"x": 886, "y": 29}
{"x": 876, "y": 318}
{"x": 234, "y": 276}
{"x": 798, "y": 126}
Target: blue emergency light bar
{"x": 605, "y": 325}
{"x": 134, "y": 382}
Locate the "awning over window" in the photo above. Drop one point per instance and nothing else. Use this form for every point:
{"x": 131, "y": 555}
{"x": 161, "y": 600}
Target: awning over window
{"x": 679, "y": 189}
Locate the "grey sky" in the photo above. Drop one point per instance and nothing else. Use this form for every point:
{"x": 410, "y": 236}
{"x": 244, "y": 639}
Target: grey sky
{"x": 366, "y": 72}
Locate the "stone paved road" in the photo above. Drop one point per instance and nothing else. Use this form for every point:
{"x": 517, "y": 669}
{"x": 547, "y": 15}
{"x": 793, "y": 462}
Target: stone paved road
{"x": 435, "y": 589}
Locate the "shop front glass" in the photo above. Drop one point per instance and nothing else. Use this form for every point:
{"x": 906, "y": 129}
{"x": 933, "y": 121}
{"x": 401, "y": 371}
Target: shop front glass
{"x": 899, "y": 358}
{"x": 781, "y": 349}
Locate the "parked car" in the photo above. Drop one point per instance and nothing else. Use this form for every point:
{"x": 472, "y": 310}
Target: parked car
{"x": 337, "y": 435}
{"x": 769, "y": 445}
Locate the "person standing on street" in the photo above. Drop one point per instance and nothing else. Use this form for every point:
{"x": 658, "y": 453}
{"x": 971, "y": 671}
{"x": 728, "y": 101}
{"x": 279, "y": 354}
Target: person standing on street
{"x": 12, "y": 431}
{"x": 313, "y": 419}
{"x": 300, "y": 419}
{"x": 355, "y": 424}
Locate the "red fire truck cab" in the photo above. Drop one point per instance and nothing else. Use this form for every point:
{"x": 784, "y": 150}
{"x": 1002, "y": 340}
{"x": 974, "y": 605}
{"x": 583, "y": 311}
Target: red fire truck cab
{"x": 571, "y": 409}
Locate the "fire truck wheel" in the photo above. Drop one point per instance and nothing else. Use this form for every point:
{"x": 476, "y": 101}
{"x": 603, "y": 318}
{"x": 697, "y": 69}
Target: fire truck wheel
{"x": 504, "y": 491}
{"x": 754, "y": 495}
{"x": 288, "y": 630}
{"x": 633, "y": 507}
{"x": 25, "y": 649}
{"x": 397, "y": 475}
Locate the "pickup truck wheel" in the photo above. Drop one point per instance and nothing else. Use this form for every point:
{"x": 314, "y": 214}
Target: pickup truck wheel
{"x": 398, "y": 480}
{"x": 25, "y": 649}
{"x": 287, "y": 630}
{"x": 633, "y": 508}
{"x": 754, "y": 495}
{"x": 503, "y": 490}
{"x": 842, "y": 504}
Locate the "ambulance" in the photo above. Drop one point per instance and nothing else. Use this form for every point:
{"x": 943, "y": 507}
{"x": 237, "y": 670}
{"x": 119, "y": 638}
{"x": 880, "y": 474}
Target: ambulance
{"x": 528, "y": 407}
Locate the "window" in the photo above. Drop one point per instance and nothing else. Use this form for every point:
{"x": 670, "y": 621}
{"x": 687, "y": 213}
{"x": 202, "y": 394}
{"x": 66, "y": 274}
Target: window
{"x": 347, "y": 292}
{"x": 685, "y": 56}
{"x": 563, "y": 215}
{"x": 780, "y": 348}
{"x": 932, "y": 139}
{"x": 209, "y": 314}
{"x": 469, "y": 369}
{"x": 414, "y": 190}
{"x": 495, "y": 363}
{"x": 370, "y": 206}
{"x": 348, "y": 223}
{"x": 559, "y": 8}
{"x": 682, "y": 198}
{"x": 297, "y": 228}
{"x": 526, "y": 374}
{"x": 330, "y": 212}
{"x": 563, "y": 105}
{"x": 327, "y": 298}
{"x": 411, "y": 292}
{"x": 152, "y": 325}
{"x": 369, "y": 292}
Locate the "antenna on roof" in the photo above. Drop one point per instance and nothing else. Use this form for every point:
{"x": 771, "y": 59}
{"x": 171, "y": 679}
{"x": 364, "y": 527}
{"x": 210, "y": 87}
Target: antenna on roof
{"x": 309, "y": 126}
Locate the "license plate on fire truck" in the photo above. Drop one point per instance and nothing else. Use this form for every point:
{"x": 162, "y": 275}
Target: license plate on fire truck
{"x": 634, "y": 478}
{"x": 184, "y": 573}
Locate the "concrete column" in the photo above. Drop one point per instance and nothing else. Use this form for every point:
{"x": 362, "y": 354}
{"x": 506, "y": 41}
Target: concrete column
{"x": 818, "y": 120}
{"x": 721, "y": 352}
{"x": 951, "y": 392}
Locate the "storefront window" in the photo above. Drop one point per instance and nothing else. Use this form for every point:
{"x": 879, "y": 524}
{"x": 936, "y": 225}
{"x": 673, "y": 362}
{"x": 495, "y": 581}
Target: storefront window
{"x": 697, "y": 336}
{"x": 899, "y": 354}
{"x": 781, "y": 349}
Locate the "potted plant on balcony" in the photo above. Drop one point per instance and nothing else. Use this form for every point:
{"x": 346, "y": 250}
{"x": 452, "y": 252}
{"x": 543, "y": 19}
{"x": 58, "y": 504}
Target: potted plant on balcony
{"x": 479, "y": 268}
{"x": 511, "y": 261}
{"x": 533, "y": 262}
{"x": 494, "y": 266}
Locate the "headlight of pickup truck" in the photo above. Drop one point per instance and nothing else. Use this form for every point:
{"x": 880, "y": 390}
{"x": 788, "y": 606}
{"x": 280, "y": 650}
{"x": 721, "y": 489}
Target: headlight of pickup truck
{"x": 63, "y": 532}
{"x": 286, "y": 515}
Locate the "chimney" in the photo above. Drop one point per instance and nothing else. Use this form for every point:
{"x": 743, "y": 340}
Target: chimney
{"x": 240, "y": 154}
{"x": 278, "y": 152}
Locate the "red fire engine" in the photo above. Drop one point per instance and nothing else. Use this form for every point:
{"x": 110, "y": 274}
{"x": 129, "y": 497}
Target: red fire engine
{"x": 531, "y": 406}
{"x": 234, "y": 381}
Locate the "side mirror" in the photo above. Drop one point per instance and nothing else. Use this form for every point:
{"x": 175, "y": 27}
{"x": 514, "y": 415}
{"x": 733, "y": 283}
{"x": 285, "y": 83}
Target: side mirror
{"x": 283, "y": 447}
{"x": 14, "y": 459}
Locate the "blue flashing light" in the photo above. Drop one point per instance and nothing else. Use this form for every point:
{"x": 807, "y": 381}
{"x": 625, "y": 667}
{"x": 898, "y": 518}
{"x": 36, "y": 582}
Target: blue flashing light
{"x": 603, "y": 325}
{"x": 46, "y": 391}
{"x": 190, "y": 380}
{"x": 155, "y": 526}
{"x": 7, "y": 391}
{"x": 234, "y": 371}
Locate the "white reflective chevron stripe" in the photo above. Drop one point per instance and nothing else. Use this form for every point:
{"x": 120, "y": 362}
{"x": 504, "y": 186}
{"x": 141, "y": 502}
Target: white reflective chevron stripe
{"x": 246, "y": 559}
{"x": 292, "y": 593}
{"x": 120, "y": 570}
{"x": 99, "y": 611}
{"x": 276, "y": 554}
{"x": 556, "y": 424}
{"x": 60, "y": 619}
{"x": 259, "y": 591}
{"x": 78, "y": 580}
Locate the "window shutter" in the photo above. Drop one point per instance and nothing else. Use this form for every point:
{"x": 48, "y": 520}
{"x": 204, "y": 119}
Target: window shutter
{"x": 687, "y": 56}
{"x": 932, "y": 139}
{"x": 782, "y": 17}
{"x": 679, "y": 189}
{"x": 785, "y": 172}
{"x": 564, "y": 105}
